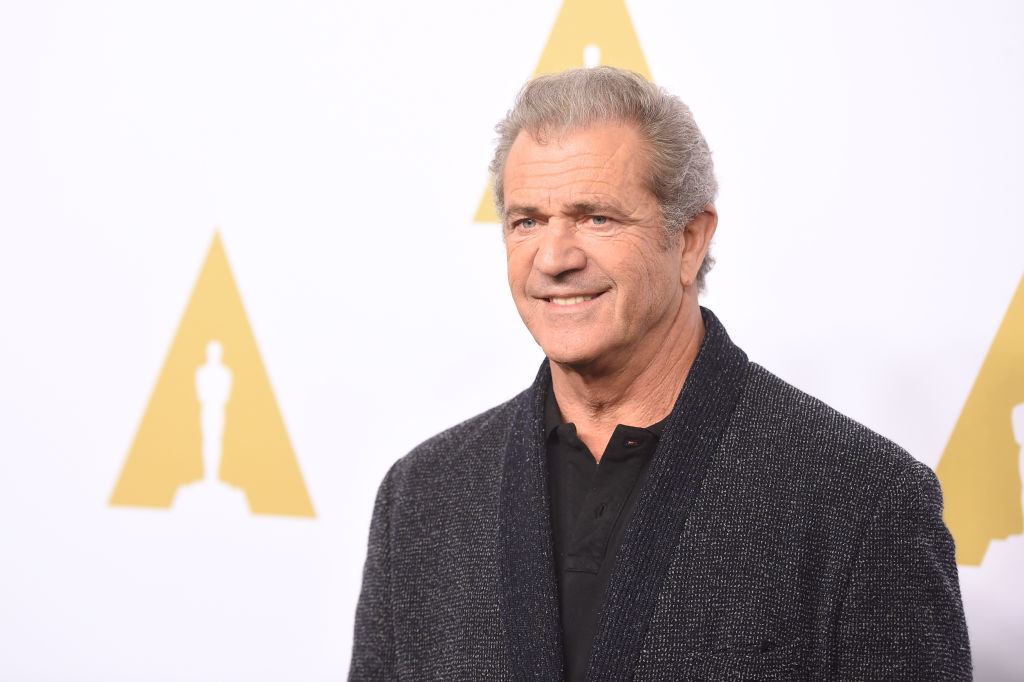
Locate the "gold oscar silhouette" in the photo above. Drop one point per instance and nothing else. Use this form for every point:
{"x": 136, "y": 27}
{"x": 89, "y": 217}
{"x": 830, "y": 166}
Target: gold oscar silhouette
{"x": 179, "y": 430}
{"x": 980, "y": 469}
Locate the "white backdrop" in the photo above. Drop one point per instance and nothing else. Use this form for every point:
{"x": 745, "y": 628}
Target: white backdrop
{"x": 871, "y": 236}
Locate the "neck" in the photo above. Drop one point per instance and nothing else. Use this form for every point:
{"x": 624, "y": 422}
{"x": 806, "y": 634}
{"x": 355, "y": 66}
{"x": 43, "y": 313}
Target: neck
{"x": 639, "y": 392}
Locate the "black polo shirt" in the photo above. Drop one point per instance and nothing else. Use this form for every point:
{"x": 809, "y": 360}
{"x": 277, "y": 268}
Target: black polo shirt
{"x": 591, "y": 505}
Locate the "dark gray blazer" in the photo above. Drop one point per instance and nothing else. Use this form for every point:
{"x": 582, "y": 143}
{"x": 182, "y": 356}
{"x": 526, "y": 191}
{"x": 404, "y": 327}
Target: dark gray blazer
{"x": 773, "y": 539}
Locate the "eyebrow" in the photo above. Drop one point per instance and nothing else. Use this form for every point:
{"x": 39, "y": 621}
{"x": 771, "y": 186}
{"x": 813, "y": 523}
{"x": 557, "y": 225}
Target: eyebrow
{"x": 522, "y": 210}
{"x": 582, "y": 207}
{"x": 576, "y": 208}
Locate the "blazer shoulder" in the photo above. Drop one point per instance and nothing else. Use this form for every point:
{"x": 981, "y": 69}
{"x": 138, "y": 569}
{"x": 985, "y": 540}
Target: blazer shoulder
{"x": 813, "y": 439}
{"x": 471, "y": 448}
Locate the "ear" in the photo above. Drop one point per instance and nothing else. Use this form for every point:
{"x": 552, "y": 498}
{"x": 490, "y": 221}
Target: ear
{"x": 696, "y": 239}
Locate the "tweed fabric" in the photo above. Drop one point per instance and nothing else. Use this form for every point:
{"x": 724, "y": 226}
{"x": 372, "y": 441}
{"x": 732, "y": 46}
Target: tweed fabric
{"x": 774, "y": 539}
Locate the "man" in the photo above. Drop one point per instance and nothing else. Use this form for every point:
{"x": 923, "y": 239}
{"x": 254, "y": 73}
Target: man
{"x": 654, "y": 506}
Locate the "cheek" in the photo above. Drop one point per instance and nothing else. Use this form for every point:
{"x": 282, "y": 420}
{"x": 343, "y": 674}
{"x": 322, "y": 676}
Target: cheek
{"x": 519, "y": 261}
{"x": 653, "y": 277}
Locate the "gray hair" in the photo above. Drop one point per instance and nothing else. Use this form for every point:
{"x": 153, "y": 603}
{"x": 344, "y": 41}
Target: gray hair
{"x": 682, "y": 176}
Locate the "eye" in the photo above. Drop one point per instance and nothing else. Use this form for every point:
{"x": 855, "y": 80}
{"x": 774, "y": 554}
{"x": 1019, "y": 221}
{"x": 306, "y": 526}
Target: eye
{"x": 524, "y": 224}
{"x": 599, "y": 220}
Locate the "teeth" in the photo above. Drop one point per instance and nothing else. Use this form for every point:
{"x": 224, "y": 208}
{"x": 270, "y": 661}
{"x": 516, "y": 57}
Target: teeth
{"x": 571, "y": 300}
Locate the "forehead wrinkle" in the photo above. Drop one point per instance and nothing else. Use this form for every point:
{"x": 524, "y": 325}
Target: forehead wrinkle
{"x": 593, "y": 191}
{"x": 547, "y": 168}
{"x": 563, "y": 178}
{"x": 527, "y": 173}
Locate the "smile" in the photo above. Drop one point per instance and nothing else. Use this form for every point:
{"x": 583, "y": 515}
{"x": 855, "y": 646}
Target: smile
{"x": 570, "y": 300}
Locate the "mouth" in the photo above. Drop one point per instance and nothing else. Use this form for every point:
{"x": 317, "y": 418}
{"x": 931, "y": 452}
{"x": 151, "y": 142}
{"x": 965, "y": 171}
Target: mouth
{"x": 571, "y": 300}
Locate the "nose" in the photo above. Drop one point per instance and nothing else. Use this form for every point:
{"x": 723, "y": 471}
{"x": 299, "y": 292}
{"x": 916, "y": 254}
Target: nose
{"x": 559, "y": 251}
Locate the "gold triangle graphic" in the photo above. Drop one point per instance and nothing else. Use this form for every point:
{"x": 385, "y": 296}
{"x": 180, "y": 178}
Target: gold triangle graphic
{"x": 257, "y": 455}
{"x": 601, "y": 27}
{"x": 979, "y": 469}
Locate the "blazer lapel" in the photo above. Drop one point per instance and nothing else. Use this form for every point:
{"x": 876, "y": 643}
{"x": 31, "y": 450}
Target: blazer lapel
{"x": 691, "y": 436}
{"x": 529, "y": 604}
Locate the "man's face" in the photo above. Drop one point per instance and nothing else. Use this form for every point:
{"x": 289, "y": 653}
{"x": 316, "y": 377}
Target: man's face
{"x": 588, "y": 264}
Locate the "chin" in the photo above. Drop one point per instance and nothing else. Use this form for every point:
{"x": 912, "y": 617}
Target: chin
{"x": 569, "y": 355}
{"x": 573, "y": 349}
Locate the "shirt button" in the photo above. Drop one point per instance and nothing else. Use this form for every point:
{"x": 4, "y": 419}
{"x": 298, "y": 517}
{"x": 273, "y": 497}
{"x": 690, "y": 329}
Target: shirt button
{"x": 599, "y": 512}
